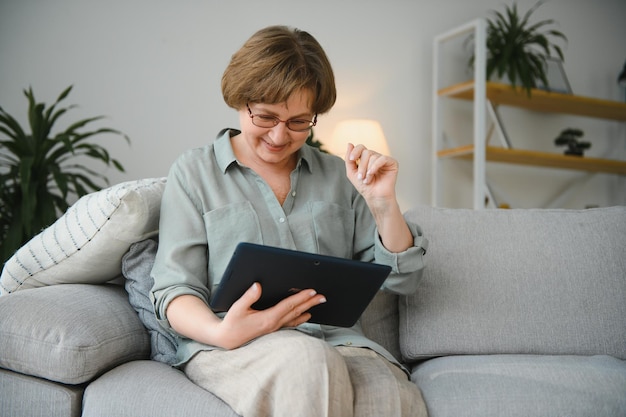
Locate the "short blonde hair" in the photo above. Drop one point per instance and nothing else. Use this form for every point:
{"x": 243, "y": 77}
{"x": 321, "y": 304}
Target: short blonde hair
{"x": 275, "y": 63}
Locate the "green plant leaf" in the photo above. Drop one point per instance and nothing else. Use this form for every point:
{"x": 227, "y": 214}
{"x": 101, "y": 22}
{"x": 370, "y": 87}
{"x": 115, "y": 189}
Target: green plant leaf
{"x": 35, "y": 117}
{"x": 51, "y": 118}
{"x": 81, "y": 123}
{"x": 9, "y": 133}
{"x": 64, "y": 94}
{"x": 61, "y": 180}
{"x": 13, "y": 128}
{"x": 120, "y": 167}
{"x": 28, "y": 193}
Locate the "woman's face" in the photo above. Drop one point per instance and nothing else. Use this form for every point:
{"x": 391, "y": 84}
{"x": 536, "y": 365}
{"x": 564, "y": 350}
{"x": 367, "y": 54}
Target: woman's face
{"x": 278, "y": 144}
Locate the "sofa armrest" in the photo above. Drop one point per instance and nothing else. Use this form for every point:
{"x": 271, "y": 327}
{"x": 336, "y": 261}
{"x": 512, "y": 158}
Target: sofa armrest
{"x": 69, "y": 333}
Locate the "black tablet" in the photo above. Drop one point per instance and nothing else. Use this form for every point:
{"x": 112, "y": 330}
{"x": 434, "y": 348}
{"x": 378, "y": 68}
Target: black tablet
{"x": 348, "y": 285}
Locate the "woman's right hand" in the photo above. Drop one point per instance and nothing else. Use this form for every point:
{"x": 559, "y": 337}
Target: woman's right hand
{"x": 192, "y": 318}
{"x": 242, "y": 323}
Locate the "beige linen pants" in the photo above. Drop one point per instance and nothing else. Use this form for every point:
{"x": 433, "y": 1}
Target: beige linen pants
{"x": 288, "y": 373}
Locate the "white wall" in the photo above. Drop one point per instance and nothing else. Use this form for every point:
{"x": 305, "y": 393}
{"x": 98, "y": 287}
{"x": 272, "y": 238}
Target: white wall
{"x": 154, "y": 67}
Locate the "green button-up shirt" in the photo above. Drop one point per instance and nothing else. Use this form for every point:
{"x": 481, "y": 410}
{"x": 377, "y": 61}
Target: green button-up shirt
{"x": 212, "y": 202}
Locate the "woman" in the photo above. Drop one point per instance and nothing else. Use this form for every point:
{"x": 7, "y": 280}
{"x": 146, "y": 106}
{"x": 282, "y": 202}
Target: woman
{"x": 261, "y": 184}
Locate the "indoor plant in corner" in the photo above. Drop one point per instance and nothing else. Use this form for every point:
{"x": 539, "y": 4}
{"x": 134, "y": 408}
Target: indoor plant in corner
{"x": 518, "y": 50}
{"x": 41, "y": 173}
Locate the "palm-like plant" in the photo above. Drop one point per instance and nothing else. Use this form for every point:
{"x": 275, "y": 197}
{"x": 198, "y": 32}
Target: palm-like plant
{"x": 311, "y": 141}
{"x": 39, "y": 173}
{"x": 518, "y": 49}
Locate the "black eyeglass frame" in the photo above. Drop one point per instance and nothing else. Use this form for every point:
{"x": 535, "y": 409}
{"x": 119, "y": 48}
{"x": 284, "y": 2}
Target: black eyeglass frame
{"x": 276, "y": 121}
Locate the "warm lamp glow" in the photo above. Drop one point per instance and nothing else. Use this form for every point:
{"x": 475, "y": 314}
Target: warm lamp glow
{"x": 358, "y": 131}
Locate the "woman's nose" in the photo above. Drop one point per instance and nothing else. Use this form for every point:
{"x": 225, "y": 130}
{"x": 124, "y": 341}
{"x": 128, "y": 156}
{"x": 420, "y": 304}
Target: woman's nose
{"x": 279, "y": 133}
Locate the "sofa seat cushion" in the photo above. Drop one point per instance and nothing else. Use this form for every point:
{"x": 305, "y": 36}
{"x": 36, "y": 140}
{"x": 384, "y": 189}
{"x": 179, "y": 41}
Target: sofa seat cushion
{"x": 150, "y": 389}
{"x": 22, "y": 395}
{"x": 69, "y": 333}
{"x": 524, "y": 281}
{"x": 523, "y": 385}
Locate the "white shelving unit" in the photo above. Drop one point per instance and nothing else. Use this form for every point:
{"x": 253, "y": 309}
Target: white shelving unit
{"x": 486, "y": 97}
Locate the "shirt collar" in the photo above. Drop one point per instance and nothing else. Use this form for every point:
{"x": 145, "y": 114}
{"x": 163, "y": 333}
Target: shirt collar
{"x": 306, "y": 157}
{"x": 223, "y": 149}
{"x": 226, "y": 156}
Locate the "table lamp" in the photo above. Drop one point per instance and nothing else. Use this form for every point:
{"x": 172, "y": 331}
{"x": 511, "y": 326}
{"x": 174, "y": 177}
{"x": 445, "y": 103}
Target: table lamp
{"x": 358, "y": 131}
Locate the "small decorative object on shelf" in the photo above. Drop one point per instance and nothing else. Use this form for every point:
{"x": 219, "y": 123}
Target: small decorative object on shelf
{"x": 569, "y": 137}
{"x": 621, "y": 80}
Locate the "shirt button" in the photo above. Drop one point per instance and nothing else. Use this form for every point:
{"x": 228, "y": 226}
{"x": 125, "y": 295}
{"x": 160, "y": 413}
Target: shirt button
{"x": 293, "y": 194}
{"x": 348, "y": 343}
{"x": 281, "y": 220}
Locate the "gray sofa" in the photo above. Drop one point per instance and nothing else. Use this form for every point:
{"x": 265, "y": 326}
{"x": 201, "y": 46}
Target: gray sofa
{"x": 520, "y": 313}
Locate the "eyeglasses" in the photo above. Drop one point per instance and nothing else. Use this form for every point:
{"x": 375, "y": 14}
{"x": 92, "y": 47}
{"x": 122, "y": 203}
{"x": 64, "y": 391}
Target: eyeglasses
{"x": 269, "y": 121}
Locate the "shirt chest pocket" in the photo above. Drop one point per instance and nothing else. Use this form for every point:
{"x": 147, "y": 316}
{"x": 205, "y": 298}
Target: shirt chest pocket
{"x": 225, "y": 228}
{"x": 334, "y": 229}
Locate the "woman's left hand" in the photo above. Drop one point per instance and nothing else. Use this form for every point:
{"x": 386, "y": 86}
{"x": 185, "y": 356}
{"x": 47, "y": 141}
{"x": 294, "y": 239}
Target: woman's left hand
{"x": 373, "y": 175}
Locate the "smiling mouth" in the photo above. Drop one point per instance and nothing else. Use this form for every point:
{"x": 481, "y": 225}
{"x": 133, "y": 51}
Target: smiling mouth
{"x": 274, "y": 148}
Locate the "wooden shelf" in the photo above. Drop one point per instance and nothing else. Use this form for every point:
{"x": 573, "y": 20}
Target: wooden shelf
{"x": 540, "y": 100}
{"x": 543, "y": 159}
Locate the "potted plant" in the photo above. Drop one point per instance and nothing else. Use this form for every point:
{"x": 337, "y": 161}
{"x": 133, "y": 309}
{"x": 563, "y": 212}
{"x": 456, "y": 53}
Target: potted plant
{"x": 517, "y": 49}
{"x": 41, "y": 172}
{"x": 312, "y": 141}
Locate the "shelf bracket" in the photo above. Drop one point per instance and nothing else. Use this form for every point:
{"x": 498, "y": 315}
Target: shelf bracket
{"x": 497, "y": 121}
{"x": 490, "y": 197}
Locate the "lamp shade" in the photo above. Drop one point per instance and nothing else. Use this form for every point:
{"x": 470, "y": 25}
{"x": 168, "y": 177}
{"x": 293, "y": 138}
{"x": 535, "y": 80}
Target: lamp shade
{"x": 368, "y": 133}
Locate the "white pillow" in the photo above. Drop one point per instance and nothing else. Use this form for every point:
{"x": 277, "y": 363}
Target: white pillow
{"x": 87, "y": 243}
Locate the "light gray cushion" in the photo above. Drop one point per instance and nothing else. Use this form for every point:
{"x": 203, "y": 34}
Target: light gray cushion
{"x": 150, "y": 389}
{"x": 69, "y": 333}
{"x": 523, "y": 385}
{"x": 380, "y": 322}
{"x": 136, "y": 267}
{"x": 86, "y": 244}
{"x": 519, "y": 281}
{"x": 23, "y": 395}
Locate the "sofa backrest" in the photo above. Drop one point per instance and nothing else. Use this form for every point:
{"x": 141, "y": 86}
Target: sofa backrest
{"x": 526, "y": 281}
